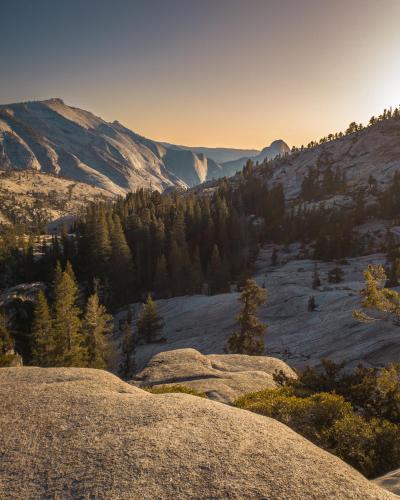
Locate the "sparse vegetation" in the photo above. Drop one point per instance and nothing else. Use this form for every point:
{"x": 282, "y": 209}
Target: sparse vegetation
{"x": 171, "y": 389}
{"x": 354, "y": 415}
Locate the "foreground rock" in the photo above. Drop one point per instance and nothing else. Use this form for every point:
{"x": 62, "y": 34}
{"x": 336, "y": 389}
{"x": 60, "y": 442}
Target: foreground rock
{"x": 390, "y": 481}
{"x": 80, "y": 433}
{"x": 223, "y": 377}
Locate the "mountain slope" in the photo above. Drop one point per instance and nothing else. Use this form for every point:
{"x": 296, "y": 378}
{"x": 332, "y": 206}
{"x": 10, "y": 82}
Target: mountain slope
{"x": 375, "y": 151}
{"x": 83, "y": 433}
{"x": 51, "y": 137}
{"x": 34, "y": 198}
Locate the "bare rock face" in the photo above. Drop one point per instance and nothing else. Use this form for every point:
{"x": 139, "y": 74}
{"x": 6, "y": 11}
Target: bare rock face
{"x": 390, "y": 481}
{"x": 83, "y": 433}
{"x": 50, "y": 137}
{"x": 223, "y": 377}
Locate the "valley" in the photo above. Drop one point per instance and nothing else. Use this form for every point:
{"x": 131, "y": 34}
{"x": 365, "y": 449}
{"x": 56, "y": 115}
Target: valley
{"x": 239, "y": 290}
{"x": 199, "y": 250}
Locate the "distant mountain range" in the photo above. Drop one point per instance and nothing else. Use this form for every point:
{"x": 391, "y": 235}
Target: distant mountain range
{"x": 219, "y": 155}
{"x": 51, "y": 137}
{"x": 276, "y": 148}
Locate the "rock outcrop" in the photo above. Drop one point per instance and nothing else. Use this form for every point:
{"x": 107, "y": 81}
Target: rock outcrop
{"x": 223, "y": 377}
{"x": 390, "y": 481}
{"x": 276, "y": 148}
{"x": 83, "y": 433}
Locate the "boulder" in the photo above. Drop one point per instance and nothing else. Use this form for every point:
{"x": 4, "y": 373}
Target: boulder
{"x": 390, "y": 481}
{"x": 223, "y": 377}
{"x": 83, "y": 433}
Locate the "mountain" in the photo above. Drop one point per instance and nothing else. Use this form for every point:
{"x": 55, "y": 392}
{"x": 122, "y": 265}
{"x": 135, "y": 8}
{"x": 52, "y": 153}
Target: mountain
{"x": 220, "y": 155}
{"x": 372, "y": 151}
{"x": 83, "y": 433}
{"x": 191, "y": 168}
{"x": 51, "y": 137}
{"x": 276, "y": 148}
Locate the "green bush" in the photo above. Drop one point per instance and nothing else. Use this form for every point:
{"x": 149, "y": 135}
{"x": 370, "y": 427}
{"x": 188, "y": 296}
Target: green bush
{"x": 372, "y": 392}
{"x": 371, "y": 444}
{"x": 168, "y": 389}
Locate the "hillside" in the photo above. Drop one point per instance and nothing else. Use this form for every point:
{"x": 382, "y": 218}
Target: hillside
{"x": 36, "y": 198}
{"x": 373, "y": 151}
{"x": 83, "y": 433}
{"x": 51, "y": 137}
{"x": 294, "y": 334}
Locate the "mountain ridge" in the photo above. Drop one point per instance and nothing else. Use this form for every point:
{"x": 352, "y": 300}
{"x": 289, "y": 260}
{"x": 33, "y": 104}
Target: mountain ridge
{"x": 53, "y": 137}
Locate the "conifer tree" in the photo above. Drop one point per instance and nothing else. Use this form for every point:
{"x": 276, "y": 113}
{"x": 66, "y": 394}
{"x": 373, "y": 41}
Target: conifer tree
{"x": 6, "y": 343}
{"x": 43, "y": 341}
{"x": 250, "y": 337}
{"x": 196, "y": 272}
{"x": 335, "y": 275}
{"x": 175, "y": 268}
{"x": 217, "y": 273}
{"x": 128, "y": 346}
{"x": 96, "y": 325}
{"x": 311, "y": 306}
{"x": 121, "y": 264}
{"x": 316, "y": 281}
{"x": 274, "y": 257}
{"x": 162, "y": 281}
{"x": 378, "y": 298}
{"x": 70, "y": 343}
{"x": 149, "y": 323}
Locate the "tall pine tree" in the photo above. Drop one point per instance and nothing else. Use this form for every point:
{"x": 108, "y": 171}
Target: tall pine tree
{"x": 70, "y": 343}
{"x": 43, "y": 341}
{"x": 96, "y": 325}
{"x": 149, "y": 323}
{"x": 249, "y": 339}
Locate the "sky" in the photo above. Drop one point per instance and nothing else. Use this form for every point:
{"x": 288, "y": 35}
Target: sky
{"x": 234, "y": 73}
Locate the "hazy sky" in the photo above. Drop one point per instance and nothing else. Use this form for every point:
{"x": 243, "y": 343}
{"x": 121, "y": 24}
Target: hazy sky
{"x": 235, "y": 73}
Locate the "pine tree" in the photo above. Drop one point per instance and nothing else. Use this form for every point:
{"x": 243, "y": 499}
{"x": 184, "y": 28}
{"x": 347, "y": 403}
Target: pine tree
{"x": 43, "y": 341}
{"x": 217, "y": 273}
{"x": 274, "y": 257}
{"x": 96, "y": 325}
{"x": 196, "y": 272}
{"x": 250, "y": 337}
{"x": 162, "y": 284}
{"x": 149, "y": 323}
{"x": 316, "y": 281}
{"x": 128, "y": 346}
{"x": 121, "y": 264}
{"x": 335, "y": 275}
{"x": 378, "y": 298}
{"x": 7, "y": 355}
{"x": 70, "y": 345}
{"x": 311, "y": 306}
{"x": 175, "y": 268}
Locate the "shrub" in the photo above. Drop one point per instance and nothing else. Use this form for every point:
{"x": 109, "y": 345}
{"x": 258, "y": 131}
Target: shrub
{"x": 352, "y": 415}
{"x": 311, "y": 416}
{"x": 372, "y": 392}
{"x": 168, "y": 389}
